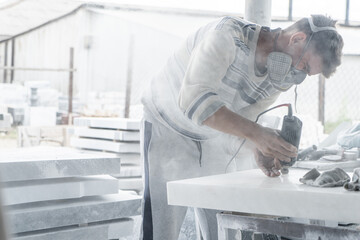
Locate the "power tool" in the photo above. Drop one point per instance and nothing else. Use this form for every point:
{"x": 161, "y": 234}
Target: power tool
{"x": 291, "y": 132}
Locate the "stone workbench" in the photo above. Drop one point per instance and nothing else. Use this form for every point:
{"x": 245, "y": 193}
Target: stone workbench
{"x": 269, "y": 201}
{"x": 252, "y": 192}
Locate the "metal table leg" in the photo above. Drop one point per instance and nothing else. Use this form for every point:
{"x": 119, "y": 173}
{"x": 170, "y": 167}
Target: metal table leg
{"x": 280, "y": 227}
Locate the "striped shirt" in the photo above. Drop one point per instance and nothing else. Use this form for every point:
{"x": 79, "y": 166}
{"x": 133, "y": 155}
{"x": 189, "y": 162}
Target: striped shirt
{"x": 215, "y": 67}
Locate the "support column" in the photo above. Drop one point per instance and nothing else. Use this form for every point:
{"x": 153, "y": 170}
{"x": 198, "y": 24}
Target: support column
{"x": 321, "y": 117}
{"x": 12, "y": 72}
{"x": 71, "y": 85}
{"x": 347, "y": 12}
{"x": 258, "y": 11}
{"x": 5, "y": 61}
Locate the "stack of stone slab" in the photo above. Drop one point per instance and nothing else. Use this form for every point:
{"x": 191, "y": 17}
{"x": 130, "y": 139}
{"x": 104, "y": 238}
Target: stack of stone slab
{"x": 63, "y": 193}
{"x": 119, "y": 136}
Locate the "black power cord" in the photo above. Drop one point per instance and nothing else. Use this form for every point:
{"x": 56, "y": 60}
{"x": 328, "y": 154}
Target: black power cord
{"x": 290, "y": 113}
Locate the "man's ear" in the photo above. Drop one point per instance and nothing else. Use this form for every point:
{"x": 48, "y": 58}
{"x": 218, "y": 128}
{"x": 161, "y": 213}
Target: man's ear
{"x": 297, "y": 38}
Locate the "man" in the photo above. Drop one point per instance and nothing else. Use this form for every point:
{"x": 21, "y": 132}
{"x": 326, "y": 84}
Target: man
{"x": 207, "y": 97}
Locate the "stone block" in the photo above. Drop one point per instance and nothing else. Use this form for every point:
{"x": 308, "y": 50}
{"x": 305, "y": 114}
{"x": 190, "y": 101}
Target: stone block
{"x": 114, "y": 229}
{"x": 109, "y": 134}
{"x": 131, "y": 184}
{"x": 60, "y": 213}
{"x": 54, "y": 162}
{"x": 58, "y": 188}
{"x": 111, "y": 123}
{"x": 105, "y": 145}
{"x": 129, "y": 158}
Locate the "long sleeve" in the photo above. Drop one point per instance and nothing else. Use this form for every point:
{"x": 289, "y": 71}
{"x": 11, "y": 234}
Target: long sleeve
{"x": 209, "y": 62}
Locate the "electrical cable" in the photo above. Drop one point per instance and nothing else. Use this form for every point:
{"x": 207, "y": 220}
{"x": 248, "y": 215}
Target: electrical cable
{"x": 257, "y": 118}
{"x": 296, "y": 96}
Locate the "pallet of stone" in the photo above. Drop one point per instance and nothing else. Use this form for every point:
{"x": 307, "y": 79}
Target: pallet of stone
{"x": 48, "y": 215}
{"x": 19, "y": 192}
{"x": 105, "y": 145}
{"x": 110, "y": 123}
{"x": 114, "y": 229}
{"x": 54, "y": 162}
{"x": 109, "y": 134}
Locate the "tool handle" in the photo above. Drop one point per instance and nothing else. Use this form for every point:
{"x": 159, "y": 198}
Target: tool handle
{"x": 291, "y": 132}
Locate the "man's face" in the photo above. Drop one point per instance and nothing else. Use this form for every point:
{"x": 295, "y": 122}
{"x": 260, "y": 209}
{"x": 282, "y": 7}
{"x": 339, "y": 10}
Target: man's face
{"x": 303, "y": 56}
{"x": 310, "y": 63}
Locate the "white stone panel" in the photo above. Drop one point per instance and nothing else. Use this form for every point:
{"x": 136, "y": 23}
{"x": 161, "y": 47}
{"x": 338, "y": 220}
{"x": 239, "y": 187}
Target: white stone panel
{"x": 58, "y": 188}
{"x": 131, "y": 184}
{"x": 105, "y": 145}
{"x": 54, "y": 162}
{"x": 112, "y": 123}
{"x": 59, "y": 213}
{"x": 117, "y": 135}
{"x": 116, "y": 229}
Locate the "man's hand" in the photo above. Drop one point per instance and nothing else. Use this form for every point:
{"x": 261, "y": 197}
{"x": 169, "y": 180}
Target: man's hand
{"x": 269, "y": 142}
{"x": 268, "y": 165}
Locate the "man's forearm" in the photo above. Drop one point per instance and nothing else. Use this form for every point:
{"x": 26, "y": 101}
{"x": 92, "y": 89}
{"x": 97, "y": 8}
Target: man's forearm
{"x": 226, "y": 121}
{"x": 267, "y": 140}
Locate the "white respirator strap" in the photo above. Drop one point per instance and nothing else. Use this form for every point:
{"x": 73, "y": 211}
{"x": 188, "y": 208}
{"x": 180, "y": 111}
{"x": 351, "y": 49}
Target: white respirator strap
{"x": 315, "y": 29}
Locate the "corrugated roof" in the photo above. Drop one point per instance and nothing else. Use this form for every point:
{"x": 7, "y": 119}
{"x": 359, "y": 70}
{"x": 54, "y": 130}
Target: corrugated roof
{"x": 19, "y": 16}
{"x": 22, "y": 15}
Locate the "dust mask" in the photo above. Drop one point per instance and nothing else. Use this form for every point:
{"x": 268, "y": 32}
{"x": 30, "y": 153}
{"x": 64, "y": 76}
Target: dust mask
{"x": 281, "y": 74}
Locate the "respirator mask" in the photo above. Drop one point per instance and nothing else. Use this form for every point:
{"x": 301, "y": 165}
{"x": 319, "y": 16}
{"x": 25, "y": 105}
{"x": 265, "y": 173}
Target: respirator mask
{"x": 279, "y": 65}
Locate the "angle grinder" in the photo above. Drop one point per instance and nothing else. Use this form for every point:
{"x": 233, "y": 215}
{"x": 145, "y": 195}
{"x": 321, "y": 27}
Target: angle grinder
{"x": 291, "y": 132}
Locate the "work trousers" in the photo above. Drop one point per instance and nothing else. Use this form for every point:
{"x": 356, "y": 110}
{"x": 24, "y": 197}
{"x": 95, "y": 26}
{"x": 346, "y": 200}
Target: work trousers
{"x": 170, "y": 156}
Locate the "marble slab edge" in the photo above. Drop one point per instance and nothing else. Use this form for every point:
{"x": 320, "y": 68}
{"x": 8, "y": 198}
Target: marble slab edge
{"x": 108, "y": 134}
{"x": 42, "y": 165}
{"x": 19, "y": 192}
{"x": 115, "y": 229}
{"x": 135, "y": 183}
{"x": 252, "y": 192}
{"x": 111, "y": 123}
{"x": 106, "y": 145}
{"x": 58, "y": 213}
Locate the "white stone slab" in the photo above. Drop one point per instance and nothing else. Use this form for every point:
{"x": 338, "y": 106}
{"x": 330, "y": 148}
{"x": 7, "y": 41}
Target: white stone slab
{"x": 125, "y": 158}
{"x": 129, "y": 158}
{"x": 105, "y": 145}
{"x": 129, "y": 171}
{"x": 54, "y": 162}
{"x": 112, "y": 123}
{"x": 101, "y": 231}
{"x": 131, "y": 184}
{"x": 327, "y": 165}
{"x": 252, "y": 192}
{"x": 58, "y": 188}
{"x": 59, "y": 213}
{"x": 107, "y": 134}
